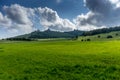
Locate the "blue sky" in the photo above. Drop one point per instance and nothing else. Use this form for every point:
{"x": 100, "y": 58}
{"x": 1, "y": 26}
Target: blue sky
{"x": 65, "y": 8}
{"x": 24, "y": 16}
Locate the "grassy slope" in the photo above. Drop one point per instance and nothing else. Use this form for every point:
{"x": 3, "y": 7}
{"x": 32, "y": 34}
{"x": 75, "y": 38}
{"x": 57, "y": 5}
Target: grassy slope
{"x": 103, "y": 36}
{"x": 60, "y": 60}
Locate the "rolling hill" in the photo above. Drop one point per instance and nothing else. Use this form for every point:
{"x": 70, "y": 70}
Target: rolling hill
{"x": 114, "y": 35}
{"x": 50, "y": 34}
{"x": 94, "y": 35}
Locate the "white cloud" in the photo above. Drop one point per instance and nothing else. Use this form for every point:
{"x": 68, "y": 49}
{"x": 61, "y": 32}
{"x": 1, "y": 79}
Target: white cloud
{"x": 4, "y": 21}
{"x": 20, "y": 17}
{"x": 116, "y": 3}
{"x": 102, "y": 13}
{"x": 51, "y": 20}
{"x": 21, "y": 20}
{"x": 17, "y": 14}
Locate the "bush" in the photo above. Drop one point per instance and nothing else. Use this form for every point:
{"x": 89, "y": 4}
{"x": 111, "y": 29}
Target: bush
{"x": 116, "y": 34}
{"x": 82, "y": 40}
{"x": 19, "y": 39}
{"x": 109, "y": 36}
{"x": 88, "y": 40}
{"x": 99, "y": 36}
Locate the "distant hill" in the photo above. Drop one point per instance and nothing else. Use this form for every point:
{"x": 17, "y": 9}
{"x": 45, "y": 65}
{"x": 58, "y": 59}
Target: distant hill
{"x": 50, "y": 34}
{"x": 71, "y": 34}
{"x": 104, "y": 34}
{"x": 100, "y": 31}
{"x": 114, "y": 35}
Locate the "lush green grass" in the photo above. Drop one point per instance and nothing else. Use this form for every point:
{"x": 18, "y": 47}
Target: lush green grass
{"x": 60, "y": 60}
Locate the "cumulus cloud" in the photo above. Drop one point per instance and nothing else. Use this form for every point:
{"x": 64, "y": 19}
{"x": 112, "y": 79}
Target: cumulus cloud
{"x": 102, "y": 13}
{"x": 15, "y": 21}
{"x": 116, "y": 2}
{"x": 51, "y": 20}
{"x": 4, "y": 21}
{"x": 17, "y": 14}
{"x": 19, "y": 20}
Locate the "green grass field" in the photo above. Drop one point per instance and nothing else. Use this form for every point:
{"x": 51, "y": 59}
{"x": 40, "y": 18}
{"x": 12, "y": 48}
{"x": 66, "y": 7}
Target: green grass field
{"x": 60, "y": 60}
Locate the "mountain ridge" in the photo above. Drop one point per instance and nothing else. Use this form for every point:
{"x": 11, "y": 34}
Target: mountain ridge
{"x": 56, "y": 34}
{"x": 50, "y": 34}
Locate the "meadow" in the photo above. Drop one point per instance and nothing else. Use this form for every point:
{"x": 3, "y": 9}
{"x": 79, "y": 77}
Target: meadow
{"x": 60, "y": 60}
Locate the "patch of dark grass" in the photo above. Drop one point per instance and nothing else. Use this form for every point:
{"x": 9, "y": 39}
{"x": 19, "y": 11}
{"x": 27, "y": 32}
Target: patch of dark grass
{"x": 111, "y": 69}
{"x": 25, "y": 78}
{"x": 28, "y": 71}
{"x": 33, "y": 70}
{"x": 1, "y": 73}
{"x": 10, "y": 77}
{"x": 1, "y": 49}
{"x": 92, "y": 71}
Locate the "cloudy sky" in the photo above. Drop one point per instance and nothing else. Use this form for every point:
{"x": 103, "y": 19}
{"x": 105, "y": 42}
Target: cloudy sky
{"x": 24, "y": 16}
